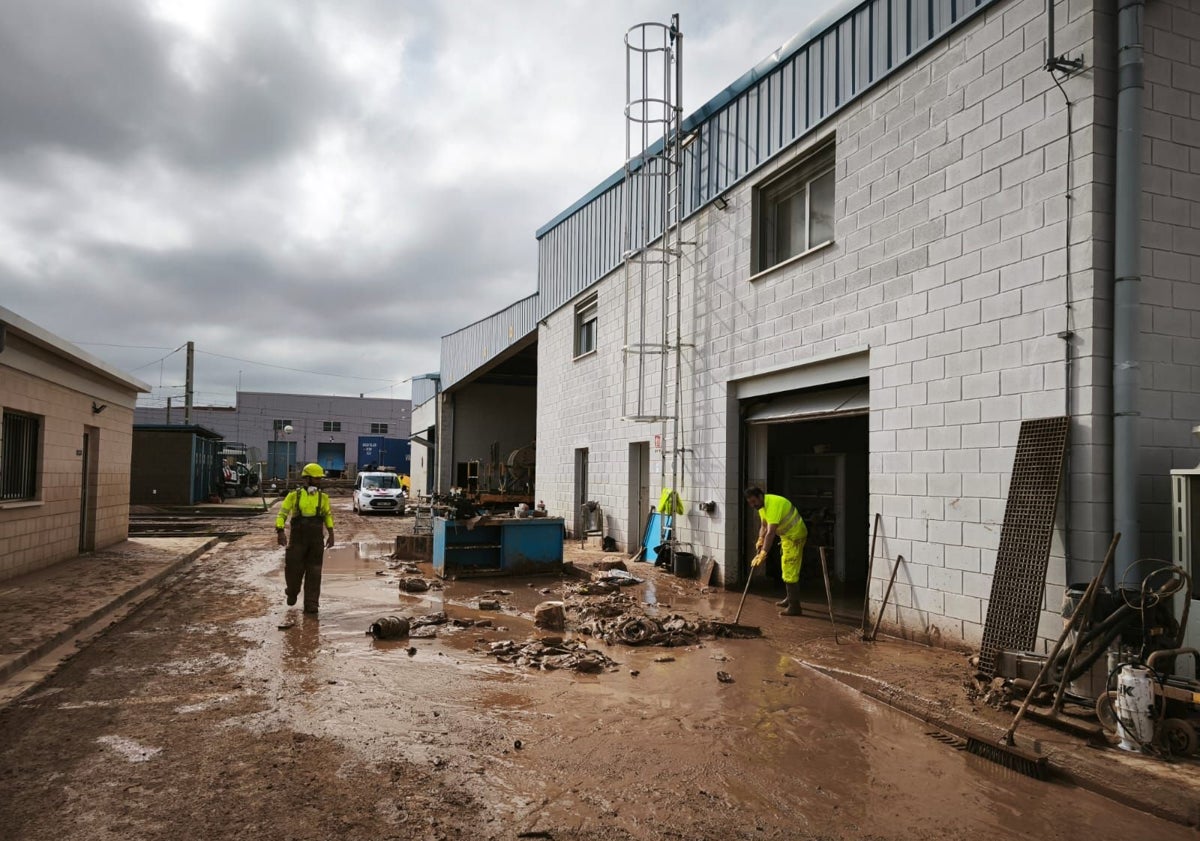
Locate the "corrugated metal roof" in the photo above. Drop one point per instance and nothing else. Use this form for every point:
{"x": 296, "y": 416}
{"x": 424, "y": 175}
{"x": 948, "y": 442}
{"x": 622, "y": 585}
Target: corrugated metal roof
{"x": 424, "y": 388}
{"x": 783, "y": 98}
{"x": 468, "y": 349}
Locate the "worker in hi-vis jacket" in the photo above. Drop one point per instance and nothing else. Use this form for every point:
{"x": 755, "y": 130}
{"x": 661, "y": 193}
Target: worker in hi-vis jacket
{"x": 779, "y": 518}
{"x": 309, "y": 509}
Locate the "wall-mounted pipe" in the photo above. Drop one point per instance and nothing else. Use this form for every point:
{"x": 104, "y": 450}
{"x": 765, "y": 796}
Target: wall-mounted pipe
{"x": 1127, "y": 281}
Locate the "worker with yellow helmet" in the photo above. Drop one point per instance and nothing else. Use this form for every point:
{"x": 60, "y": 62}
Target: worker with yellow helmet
{"x": 309, "y": 509}
{"x": 779, "y": 518}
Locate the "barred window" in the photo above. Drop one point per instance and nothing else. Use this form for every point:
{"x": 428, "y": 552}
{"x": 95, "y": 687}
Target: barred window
{"x": 331, "y": 426}
{"x": 379, "y": 429}
{"x": 279, "y": 424}
{"x": 20, "y": 455}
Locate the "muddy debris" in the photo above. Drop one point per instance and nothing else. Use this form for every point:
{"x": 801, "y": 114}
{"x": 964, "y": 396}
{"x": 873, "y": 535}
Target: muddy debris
{"x": 488, "y": 604}
{"x": 425, "y": 632}
{"x": 670, "y": 631}
{"x": 550, "y": 615}
{"x": 551, "y": 653}
{"x": 438, "y": 618}
{"x": 418, "y": 584}
{"x": 389, "y": 627}
{"x": 620, "y": 577}
{"x": 725, "y": 677}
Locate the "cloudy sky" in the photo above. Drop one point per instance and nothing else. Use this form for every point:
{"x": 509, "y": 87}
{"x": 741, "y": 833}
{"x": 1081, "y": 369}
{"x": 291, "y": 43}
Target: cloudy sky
{"x": 312, "y": 192}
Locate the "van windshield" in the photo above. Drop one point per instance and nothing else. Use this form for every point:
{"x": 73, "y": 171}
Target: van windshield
{"x": 390, "y": 481}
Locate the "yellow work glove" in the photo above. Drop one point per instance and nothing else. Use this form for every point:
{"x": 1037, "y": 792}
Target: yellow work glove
{"x": 758, "y": 545}
{"x": 758, "y": 559}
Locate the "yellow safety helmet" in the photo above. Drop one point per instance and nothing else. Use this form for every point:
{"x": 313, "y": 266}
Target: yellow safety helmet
{"x": 313, "y": 469}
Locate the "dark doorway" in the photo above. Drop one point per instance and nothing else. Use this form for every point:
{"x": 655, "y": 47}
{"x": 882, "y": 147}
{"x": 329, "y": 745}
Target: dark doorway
{"x": 820, "y": 465}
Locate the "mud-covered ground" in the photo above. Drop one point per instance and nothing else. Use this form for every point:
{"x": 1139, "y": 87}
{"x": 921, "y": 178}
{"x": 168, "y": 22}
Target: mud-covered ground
{"x": 214, "y": 711}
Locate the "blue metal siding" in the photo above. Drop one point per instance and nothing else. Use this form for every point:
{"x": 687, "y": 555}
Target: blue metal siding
{"x": 424, "y": 388}
{"x": 769, "y": 108}
{"x": 466, "y": 350}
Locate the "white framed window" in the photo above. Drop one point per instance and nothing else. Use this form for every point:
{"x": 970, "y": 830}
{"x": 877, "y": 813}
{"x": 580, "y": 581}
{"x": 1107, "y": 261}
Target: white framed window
{"x": 793, "y": 212}
{"x": 20, "y": 456}
{"x": 585, "y": 326}
{"x": 331, "y": 426}
{"x": 379, "y": 429}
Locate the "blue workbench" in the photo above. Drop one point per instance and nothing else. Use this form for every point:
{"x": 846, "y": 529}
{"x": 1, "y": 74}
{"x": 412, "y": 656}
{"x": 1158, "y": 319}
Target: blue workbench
{"x": 498, "y": 546}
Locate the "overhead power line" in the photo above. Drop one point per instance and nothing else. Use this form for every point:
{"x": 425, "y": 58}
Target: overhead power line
{"x": 247, "y": 361}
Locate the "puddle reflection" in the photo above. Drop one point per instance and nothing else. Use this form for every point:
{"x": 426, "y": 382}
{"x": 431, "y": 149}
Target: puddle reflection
{"x": 301, "y": 642}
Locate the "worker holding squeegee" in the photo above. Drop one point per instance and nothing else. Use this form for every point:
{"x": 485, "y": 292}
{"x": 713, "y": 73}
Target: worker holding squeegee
{"x": 780, "y": 519}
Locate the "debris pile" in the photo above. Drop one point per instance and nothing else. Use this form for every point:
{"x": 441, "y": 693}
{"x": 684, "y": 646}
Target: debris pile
{"x": 551, "y": 653}
{"x": 673, "y": 630}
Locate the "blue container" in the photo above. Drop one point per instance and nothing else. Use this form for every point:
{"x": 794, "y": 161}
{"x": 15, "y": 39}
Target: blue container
{"x": 380, "y": 452}
{"x": 499, "y": 546}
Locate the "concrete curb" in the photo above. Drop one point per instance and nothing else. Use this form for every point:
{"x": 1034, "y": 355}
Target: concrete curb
{"x": 1080, "y": 774}
{"x": 41, "y": 649}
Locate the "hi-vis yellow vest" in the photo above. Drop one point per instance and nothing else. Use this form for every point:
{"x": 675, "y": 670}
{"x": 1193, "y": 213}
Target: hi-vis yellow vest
{"x": 783, "y": 515}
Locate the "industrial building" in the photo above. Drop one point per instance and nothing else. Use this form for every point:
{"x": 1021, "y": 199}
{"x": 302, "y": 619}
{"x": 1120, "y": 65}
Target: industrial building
{"x": 852, "y": 275}
{"x": 284, "y": 430}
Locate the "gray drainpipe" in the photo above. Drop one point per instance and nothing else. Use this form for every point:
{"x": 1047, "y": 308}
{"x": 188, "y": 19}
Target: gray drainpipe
{"x": 1127, "y": 276}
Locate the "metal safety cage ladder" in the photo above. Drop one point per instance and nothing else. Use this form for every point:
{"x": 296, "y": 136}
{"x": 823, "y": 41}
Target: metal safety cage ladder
{"x": 651, "y": 209}
{"x": 652, "y": 247}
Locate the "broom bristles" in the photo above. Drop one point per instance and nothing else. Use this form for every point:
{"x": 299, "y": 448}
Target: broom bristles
{"x": 1014, "y": 758}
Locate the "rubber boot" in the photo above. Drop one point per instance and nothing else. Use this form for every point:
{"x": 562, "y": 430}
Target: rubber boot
{"x": 782, "y": 602}
{"x": 793, "y": 601}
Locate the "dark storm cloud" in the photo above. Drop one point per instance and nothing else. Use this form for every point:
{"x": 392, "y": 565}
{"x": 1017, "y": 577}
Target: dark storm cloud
{"x": 102, "y": 80}
{"x": 302, "y": 184}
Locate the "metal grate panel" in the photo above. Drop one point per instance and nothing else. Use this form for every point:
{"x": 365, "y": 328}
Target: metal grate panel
{"x": 1020, "y": 578}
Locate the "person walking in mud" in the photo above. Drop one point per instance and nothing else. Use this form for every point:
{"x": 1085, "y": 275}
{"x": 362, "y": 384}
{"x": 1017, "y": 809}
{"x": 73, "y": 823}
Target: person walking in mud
{"x": 779, "y": 518}
{"x": 309, "y": 509}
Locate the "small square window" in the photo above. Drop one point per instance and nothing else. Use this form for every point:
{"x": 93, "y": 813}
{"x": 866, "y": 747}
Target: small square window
{"x": 379, "y": 429}
{"x": 585, "y": 326}
{"x": 20, "y": 456}
{"x": 794, "y": 211}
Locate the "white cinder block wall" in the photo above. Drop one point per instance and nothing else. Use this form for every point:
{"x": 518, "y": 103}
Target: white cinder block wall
{"x": 950, "y": 264}
{"x": 1170, "y": 351}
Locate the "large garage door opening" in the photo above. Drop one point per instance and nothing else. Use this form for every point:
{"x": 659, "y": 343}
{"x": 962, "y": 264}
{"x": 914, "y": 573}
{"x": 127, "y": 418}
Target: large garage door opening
{"x": 811, "y": 447}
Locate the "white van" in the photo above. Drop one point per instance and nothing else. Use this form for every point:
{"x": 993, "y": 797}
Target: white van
{"x": 382, "y": 492}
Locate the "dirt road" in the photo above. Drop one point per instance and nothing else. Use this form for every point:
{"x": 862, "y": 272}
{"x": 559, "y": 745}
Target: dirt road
{"x": 214, "y": 711}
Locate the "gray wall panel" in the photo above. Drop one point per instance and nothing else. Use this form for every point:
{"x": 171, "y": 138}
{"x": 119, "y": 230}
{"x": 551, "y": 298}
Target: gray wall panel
{"x": 465, "y": 350}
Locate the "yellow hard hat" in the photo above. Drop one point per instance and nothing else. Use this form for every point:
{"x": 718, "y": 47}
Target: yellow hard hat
{"x": 313, "y": 469}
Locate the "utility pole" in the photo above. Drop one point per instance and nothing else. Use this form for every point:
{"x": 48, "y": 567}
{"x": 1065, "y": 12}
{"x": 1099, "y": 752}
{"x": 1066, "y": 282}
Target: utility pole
{"x": 168, "y": 411}
{"x": 187, "y": 406}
